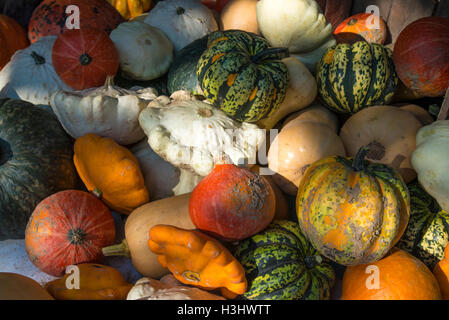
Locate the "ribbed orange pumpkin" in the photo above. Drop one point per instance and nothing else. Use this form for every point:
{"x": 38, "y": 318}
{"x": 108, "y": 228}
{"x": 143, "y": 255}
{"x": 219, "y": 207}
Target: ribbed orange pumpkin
{"x": 232, "y": 203}
{"x": 352, "y": 211}
{"x": 67, "y": 228}
{"x": 84, "y": 58}
{"x": 13, "y": 37}
{"x": 110, "y": 171}
{"x": 398, "y": 276}
{"x": 441, "y": 272}
{"x": 360, "y": 24}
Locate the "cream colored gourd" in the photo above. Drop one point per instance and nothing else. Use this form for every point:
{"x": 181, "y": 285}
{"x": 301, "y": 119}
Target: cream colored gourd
{"x": 431, "y": 160}
{"x": 183, "y": 21}
{"x": 162, "y": 179}
{"x": 298, "y": 25}
{"x": 145, "y": 52}
{"x": 172, "y": 211}
{"x": 296, "y": 147}
{"x": 302, "y": 91}
{"x": 108, "y": 111}
{"x": 151, "y": 289}
{"x": 389, "y": 132}
{"x": 314, "y": 113}
{"x": 30, "y": 75}
{"x": 240, "y": 15}
{"x": 194, "y": 135}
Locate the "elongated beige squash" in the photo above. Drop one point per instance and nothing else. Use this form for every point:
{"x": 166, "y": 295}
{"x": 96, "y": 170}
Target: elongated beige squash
{"x": 315, "y": 113}
{"x": 240, "y": 15}
{"x": 301, "y": 92}
{"x": 173, "y": 211}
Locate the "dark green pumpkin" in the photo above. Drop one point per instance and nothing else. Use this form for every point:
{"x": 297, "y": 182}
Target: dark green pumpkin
{"x": 427, "y": 232}
{"x": 281, "y": 264}
{"x": 353, "y": 77}
{"x": 36, "y": 160}
{"x": 182, "y": 72}
{"x": 160, "y": 84}
{"x": 240, "y": 74}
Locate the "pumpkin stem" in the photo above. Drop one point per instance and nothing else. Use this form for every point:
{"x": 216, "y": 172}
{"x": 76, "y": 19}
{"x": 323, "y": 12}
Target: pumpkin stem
{"x": 272, "y": 53}
{"x": 312, "y": 261}
{"x": 85, "y": 59}
{"x": 109, "y": 82}
{"x": 38, "y": 59}
{"x": 180, "y": 11}
{"x": 121, "y": 249}
{"x": 97, "y": 193}
{"x": 352, "y": 22}
{"x": 444, "y": 107}
{"x": 358, "y": 163}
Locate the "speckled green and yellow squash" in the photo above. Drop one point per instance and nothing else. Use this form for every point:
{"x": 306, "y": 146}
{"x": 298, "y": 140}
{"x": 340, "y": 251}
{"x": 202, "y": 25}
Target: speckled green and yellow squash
{"x": 240, "y": 74}
{"x": 351, "y": 210}
{"x": 281, "y": 264}
{"x": 353, "y": 77}
{"x": 427, "y": 232}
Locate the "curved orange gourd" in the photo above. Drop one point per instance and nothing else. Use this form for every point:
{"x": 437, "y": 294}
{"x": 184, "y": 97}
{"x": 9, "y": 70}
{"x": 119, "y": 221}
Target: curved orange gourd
{"x": 13, "y": 37}
{"x": 197, "y": 259}
{"x": 111, "y": 172}
{"x": 441, "y": 272}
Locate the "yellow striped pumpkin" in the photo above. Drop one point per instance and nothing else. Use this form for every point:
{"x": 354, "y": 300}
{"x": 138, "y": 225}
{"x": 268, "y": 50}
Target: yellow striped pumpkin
{"x": 353, "y": 77}
{"x": 352, "y": 211}
{"x": 240, "y": 74}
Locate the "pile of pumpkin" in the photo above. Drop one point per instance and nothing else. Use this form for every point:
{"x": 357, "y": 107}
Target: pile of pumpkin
{"x": 156, "y": 110}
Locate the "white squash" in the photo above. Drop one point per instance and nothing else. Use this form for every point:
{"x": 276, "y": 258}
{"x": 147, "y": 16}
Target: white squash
{"x": 151, "y": 289}
{"x": 183, "y": 21}
{"x": 298, "y": 25}
{"x": 108, "y": 111}
{"x": 194, "y": 135}
{"x": 163, "y": 180}
{"x": 431, "y": 161}
{"x": 30, "y": 75}
{"x": 145, "y": 52}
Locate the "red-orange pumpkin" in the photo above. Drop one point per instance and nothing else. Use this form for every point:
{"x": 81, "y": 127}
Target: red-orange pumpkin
{"x": 361, "y": 24}
{"x": 68, "y": 228}
{"x": 232, "y": 203}
{"x": 83, "y": 58}
{"x": 50, "y": 17}
{"x": 12, "y": 38}
{"x": 421, "y": 56}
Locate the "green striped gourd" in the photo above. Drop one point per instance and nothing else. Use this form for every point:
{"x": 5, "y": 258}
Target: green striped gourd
{"x": 281, "y": 264}
{"x": 427, "y": 232}
{"x": 353, "y": 77}
{"x": 240, "y": 74}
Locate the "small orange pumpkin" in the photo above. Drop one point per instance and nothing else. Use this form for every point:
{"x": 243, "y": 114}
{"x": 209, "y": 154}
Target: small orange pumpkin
{"x": 398, "y": 276}
{"x": 361, "y": 24}
{"x": 441, "y": 272}
{"x": 197, "y": 259}
{"x": 111, "y": 172}
{"x": 13, "y": 37}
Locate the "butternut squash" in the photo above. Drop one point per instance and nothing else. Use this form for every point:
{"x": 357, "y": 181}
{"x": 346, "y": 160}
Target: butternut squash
{"x": 173, "y": 211}
{"x": 14, "y": 286}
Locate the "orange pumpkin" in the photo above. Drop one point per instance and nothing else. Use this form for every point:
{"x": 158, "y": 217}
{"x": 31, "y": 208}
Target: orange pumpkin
{"x": 197, "y": 259}
{"x": 398, "y": 276}
{"x": 67, "y": 228}
{"x": 13, "y": 37}
{"x": 441, "y": 272}
{"x": 361, "y": 24}
{"x": 111, "y": 171}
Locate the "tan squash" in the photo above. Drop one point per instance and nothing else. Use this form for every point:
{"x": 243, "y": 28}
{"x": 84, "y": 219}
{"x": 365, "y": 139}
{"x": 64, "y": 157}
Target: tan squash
{"x": 14, "y": 286}
{"x": 296, "y": 147}
{"x": 302, "y": 91}
{"x": 173, "y": 211}
{"x": 240, "y": 15}
{"x": 315, "y": 113}
{"x": 420, "y": 113}
{"x": 389, "y": 132}
{"x": 281, "y": 211}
